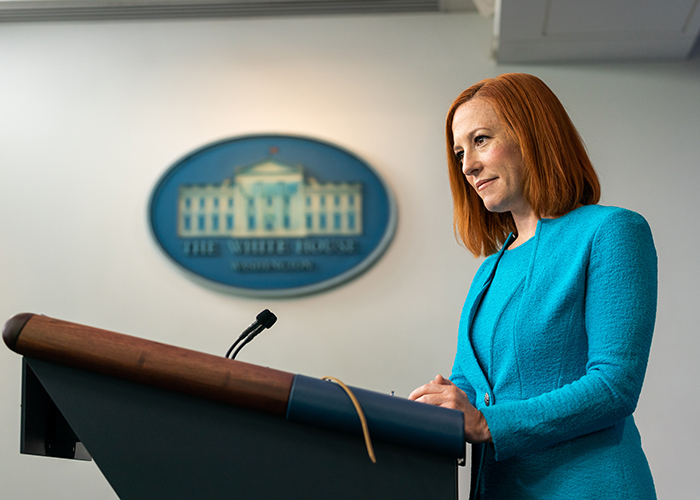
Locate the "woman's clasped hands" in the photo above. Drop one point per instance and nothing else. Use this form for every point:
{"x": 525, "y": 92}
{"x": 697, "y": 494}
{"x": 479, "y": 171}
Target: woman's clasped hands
{"x": 442, "y": 392}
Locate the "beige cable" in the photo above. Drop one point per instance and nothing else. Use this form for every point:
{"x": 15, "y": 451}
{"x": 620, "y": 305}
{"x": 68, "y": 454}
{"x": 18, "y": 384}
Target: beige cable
{"x": 361, "y": 414}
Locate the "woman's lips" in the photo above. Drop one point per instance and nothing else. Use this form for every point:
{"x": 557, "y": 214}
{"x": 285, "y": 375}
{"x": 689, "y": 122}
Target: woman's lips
{"x": 483, "y": 183}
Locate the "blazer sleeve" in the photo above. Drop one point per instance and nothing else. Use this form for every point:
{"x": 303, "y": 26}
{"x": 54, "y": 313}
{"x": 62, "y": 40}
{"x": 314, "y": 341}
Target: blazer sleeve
{"x": 458, "y": 379}
{"x": 620, "y": 311}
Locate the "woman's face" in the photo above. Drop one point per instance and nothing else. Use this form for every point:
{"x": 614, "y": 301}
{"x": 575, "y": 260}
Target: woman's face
{"x": 491, "y": 160}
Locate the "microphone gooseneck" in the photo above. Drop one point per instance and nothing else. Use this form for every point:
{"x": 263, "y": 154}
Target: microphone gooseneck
{"x": 262, "y": 321}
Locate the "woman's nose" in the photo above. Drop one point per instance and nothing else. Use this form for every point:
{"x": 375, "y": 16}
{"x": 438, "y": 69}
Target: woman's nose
{"x": 469, "y": 165}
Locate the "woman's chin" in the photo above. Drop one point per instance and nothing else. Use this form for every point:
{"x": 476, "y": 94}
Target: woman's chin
{"x": 495, "y": 208}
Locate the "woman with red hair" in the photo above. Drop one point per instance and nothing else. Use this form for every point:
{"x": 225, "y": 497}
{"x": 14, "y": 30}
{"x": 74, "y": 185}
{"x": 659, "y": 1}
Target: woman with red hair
{"x": 556, "y": 329}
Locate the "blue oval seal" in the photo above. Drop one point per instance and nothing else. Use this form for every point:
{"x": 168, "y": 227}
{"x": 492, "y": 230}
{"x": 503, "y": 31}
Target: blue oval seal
{"x": 272, "y": 215}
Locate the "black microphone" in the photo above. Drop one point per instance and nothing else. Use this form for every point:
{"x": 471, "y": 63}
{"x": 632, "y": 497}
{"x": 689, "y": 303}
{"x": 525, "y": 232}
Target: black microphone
{"x": 262, "y": 321}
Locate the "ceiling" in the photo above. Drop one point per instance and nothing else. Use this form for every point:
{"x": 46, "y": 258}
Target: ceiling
{"x": 71, "y": 10}
{"x": 524, "y": 31}
{"x": 594, "y": 30}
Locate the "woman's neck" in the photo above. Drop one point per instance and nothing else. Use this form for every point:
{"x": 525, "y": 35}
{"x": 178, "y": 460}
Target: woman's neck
{"x": 526, "y": 225}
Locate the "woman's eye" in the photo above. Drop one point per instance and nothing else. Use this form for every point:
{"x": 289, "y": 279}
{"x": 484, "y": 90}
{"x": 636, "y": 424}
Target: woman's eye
{"x": 479, "y": 140}
{"x": 459, "y": 155}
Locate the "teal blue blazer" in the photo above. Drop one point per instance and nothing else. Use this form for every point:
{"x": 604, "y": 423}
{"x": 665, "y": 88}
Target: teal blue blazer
{"x": 561, "y": 420}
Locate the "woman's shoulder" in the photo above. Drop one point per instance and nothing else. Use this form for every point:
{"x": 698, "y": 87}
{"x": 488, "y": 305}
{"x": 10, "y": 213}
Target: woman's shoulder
{"x": 599, "y": 228}
{"x": 597, "y": 217}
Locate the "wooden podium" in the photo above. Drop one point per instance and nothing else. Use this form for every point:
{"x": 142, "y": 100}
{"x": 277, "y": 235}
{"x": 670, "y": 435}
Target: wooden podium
{"x": 162, "y": 422}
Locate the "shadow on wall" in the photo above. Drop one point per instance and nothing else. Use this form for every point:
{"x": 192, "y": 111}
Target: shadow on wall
{"x": 695, "y": 53}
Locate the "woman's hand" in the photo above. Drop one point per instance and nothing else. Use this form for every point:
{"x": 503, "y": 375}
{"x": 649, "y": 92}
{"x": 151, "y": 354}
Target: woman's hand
{"x": 442, "y": 392}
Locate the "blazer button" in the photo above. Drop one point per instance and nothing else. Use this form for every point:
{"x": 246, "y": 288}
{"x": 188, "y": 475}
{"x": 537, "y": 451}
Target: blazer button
{"x": 487, "y": 400}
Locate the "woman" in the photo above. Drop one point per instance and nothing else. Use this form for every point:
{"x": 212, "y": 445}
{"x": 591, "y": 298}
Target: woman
{"x": 556, "y": 328}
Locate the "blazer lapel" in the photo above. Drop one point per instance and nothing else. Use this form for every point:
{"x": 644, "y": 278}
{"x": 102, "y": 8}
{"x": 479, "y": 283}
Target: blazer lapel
{"x": 473, "y": 308}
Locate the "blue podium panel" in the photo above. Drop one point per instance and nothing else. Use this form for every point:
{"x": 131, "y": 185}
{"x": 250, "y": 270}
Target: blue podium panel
{"x": 157, "y": 444}
{"x": 392, "y": 419}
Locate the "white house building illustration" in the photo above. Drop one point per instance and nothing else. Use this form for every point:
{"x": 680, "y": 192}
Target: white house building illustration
{"x": 270, "y": 199}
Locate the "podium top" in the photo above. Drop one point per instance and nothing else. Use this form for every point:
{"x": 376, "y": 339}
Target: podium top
{"x": 295, "y": 397}
{"x": 148, "y": 362}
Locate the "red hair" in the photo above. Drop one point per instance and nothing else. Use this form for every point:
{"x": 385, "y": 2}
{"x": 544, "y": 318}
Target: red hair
{"x": 558, "y": 177}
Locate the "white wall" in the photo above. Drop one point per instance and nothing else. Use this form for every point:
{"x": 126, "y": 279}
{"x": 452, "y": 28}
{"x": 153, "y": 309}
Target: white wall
{"x": 92, "y": 114}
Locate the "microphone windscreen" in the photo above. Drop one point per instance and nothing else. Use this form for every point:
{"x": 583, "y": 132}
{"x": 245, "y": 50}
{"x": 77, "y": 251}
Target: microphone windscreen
{"x": 266, "y": 318}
